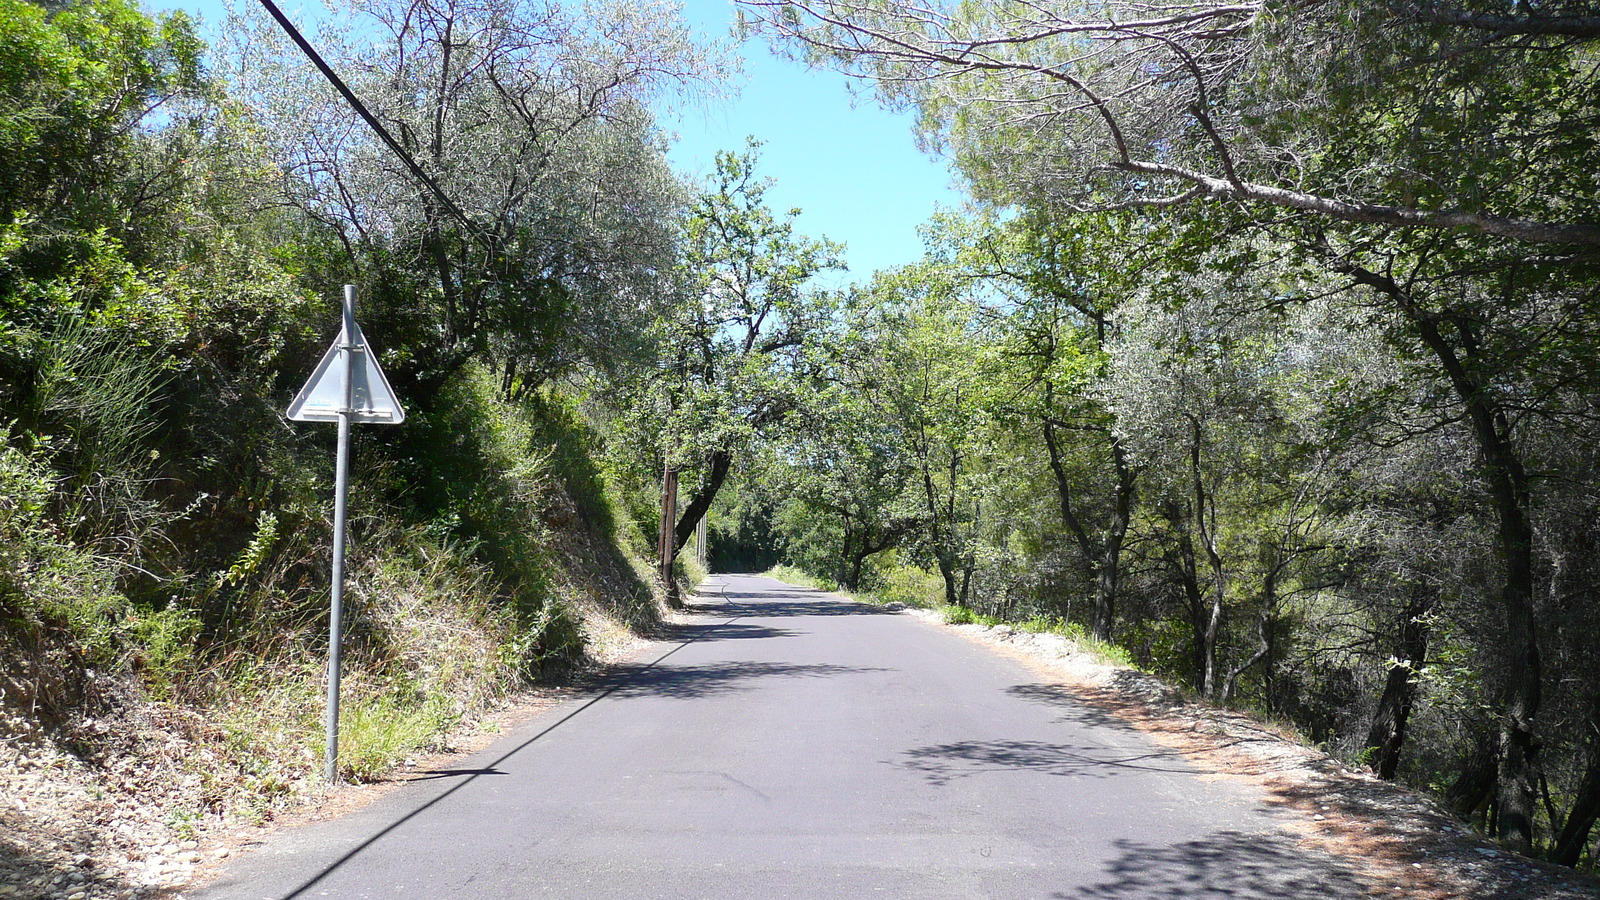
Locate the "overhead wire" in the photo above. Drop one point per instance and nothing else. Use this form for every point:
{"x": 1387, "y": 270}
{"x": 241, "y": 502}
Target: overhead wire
{"x": 372, "y": 121}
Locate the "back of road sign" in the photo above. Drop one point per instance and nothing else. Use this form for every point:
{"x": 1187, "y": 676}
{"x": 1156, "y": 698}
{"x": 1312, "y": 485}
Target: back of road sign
{"x": 371, "y": 399}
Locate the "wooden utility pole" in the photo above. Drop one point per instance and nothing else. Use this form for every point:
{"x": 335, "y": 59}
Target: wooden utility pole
{"x": 668, "y": 541}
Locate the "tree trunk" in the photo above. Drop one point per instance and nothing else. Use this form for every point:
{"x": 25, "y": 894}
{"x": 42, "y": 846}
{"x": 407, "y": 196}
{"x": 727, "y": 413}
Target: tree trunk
{"x": 1475, "y": 782}
{"x": 1194, "y": 598}
{"x": 1106, "y": 559}
{"x": 700, "y": 504}
{"x": 1264, "y": 633}
{"x": 936, "y": 517}
{"x": 856, "y": 565}
{"x": 667, "y": 550}
{"x": 1213, "y": 630}
{"x": 1388, "y": 733}
{"x": 1219, "y": 583}
{"x": 1585, "y": 811}
{"x": 890, "y": 536}
{"x": 1064, "y": 501}
{"x": 1522, "y": 690}
{"x": 947, "y": 571}
{"x": 1507, "y": 482}
{"x": 847, "y": 554}
{"x": 1109, "y": 576}
{"x": 1519, "y": 747}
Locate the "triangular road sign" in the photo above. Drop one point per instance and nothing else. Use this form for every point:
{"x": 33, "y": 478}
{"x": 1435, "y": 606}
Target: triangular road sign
{"x": 371, "y": 400}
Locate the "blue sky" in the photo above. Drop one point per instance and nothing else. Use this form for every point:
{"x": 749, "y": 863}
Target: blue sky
{"x": 851, "y": 167}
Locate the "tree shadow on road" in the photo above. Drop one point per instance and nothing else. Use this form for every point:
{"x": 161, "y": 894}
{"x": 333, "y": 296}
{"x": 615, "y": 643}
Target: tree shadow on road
{"x": 694, "y": 682}
{"x": 777, "y": 604}
{"x": 1071, "y": 706}
{"x": 944, "y": 763}
{"x": 705, "y": 632}
{"x": 1232, "y": 864}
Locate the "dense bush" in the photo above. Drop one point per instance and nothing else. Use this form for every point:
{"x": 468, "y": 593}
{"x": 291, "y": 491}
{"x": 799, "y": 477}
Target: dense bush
{"x": 164, "y": 532}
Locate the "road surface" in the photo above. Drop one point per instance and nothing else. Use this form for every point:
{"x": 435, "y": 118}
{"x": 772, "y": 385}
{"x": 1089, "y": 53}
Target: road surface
{"x": 789, "y": 744}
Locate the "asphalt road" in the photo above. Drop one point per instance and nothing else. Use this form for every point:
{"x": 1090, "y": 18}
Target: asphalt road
{"x": 789, "y": 744}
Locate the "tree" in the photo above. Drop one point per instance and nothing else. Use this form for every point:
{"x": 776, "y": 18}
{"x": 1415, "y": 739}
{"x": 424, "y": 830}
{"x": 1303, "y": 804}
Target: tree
{"x": 534, "y": 120}
{"x": 1440, "y": 157}
{"x": 844, "y": 469}
{"x": 80, "y": 83}
{"x": 1216, "y": 101}
{"x": 1067, "y": 280}
{"x": 1192, "y": 389}
{"x": 924, "y": 371}
{"x": 735, "y": 353}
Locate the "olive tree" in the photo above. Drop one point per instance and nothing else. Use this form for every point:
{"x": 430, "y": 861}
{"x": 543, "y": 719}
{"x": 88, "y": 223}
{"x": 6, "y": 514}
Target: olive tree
{"x": 1218, "y": 101}
{"x": 534, "y": 120}
{"x": 1440, "y": 157}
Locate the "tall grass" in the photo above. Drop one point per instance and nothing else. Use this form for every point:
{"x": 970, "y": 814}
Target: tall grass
{"x": 484, "y": 541}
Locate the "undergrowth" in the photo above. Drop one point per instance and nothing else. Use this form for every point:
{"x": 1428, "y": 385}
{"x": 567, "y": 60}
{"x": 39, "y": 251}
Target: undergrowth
{"x": 486, "y": 548}
{"x": 920, "y": 589}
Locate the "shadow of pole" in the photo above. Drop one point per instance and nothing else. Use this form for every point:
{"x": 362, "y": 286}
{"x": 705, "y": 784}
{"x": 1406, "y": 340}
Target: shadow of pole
{"x": 475, "y": 774}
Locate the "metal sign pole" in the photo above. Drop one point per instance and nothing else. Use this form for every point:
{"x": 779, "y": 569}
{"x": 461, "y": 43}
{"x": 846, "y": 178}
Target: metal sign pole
{"x": 344, "y": 389}
{"x": 341, "y": 494}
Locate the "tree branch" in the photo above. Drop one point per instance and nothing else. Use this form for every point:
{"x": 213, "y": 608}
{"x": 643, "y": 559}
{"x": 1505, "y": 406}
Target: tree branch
{"x": 1373, "y": 213}
{"x": 1584, "y": 27}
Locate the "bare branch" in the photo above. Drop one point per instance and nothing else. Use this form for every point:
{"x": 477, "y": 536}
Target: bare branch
{"x": 1380, "y": 214}
{"x": 1585, "y": 27}
{"x": 1092, "y": 93}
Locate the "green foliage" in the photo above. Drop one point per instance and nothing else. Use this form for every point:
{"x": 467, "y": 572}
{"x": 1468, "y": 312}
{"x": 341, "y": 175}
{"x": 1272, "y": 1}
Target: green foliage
{"x": 912, "y": 586}
{"x": 76, "y": 81}
{"x": 961, "y": 615}
{"x": 164, "y": 534}
{"x": 380, "y": 733}
{"x": 479, "y": 472}
{"x": 801, "y": 577}
{"x": 166, "y": 643}
{"x": 254, "y": 557}
{"x": 1162, "y": 646}
{"x": 689, "y": 570}
{"x": 891, "y": 581}
{"x": 61, "y": 613}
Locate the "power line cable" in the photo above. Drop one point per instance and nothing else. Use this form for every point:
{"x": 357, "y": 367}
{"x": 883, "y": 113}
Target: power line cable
{"x": 371, "y": 120}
